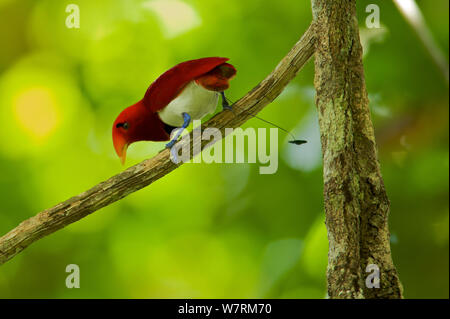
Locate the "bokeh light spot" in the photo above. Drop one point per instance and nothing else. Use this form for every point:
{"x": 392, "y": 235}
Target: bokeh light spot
{"x": 36, "y": 111}
{"x": 175, "y": 16}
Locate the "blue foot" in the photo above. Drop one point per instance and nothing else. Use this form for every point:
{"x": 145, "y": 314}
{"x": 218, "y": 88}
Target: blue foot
{"x": 225, "y": 103}
{"x": 187, "y": 120}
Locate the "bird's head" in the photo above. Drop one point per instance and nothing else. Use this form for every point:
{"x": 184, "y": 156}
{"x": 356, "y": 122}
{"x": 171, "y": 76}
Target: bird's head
{"x": 136, "y": 123}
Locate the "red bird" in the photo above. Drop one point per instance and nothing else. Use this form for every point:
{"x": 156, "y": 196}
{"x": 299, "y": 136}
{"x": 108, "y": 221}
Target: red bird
{"x": 189, "y": 90}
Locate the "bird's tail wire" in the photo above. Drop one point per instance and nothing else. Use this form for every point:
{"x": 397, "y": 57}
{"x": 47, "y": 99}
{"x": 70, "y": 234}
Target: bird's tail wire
{"x": 294, "y": 140}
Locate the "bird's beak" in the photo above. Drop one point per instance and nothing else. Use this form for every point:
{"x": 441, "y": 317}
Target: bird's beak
{"x": 123, "y": 156}
{"x": 121, "y": 146}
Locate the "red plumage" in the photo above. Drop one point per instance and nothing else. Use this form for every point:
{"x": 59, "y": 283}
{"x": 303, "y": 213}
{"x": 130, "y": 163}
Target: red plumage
{"x": 175, "y": 79}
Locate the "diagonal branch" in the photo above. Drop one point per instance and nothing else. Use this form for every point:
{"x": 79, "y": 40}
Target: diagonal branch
{"x": 148, "y": 171}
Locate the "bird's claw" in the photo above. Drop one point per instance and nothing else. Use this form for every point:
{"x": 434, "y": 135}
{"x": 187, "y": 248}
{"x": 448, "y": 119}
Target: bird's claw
{"x": 174, "y": 155}
{"x": 225, "y": 103}
{"x": 173, "y": 151}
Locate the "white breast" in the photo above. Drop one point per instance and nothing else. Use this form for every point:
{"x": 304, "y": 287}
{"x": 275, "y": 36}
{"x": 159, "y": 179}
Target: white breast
{"x": 194, "y": 100}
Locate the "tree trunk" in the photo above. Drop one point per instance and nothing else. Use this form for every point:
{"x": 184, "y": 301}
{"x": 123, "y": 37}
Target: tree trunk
{"x": 356, "y": 204}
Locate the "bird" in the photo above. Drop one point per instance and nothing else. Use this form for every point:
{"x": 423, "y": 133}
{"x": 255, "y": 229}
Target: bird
{"x": 188, "y": 91}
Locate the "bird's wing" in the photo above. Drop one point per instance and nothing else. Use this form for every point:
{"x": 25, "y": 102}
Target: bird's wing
{"x": 171, "y": 83}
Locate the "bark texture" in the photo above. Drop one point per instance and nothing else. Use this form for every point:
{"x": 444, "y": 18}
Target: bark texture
{"x": 145, "y": 173}
{"x": 356, "y": 204}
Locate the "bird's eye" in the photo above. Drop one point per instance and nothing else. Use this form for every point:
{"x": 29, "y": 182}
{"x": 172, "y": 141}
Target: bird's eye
{"x": 124, "y": 125}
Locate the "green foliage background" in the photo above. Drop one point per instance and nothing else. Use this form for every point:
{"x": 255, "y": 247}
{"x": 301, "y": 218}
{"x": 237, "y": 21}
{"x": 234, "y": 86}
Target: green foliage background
{"x": 207, "y": 231}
